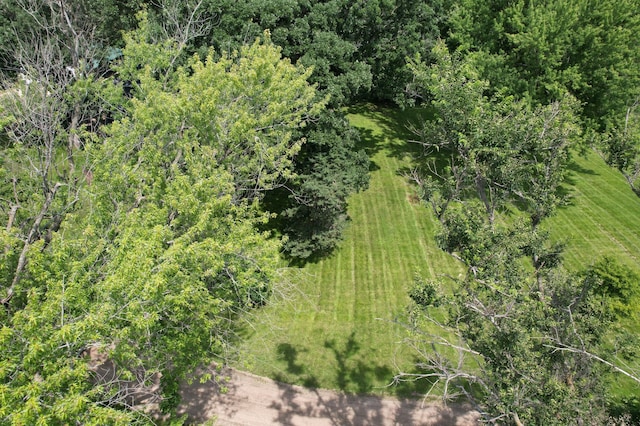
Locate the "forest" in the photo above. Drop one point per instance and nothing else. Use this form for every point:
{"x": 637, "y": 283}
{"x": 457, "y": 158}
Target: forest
{"x": 172, "y": 171}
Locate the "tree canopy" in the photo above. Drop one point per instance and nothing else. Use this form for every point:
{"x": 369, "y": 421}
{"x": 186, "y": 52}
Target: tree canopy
{"x": 545, "y": 49}
{"x": 523, "y": 339}
{"x": 159, "y": 249}
{"x": 525, "y": 342}
{"x": 158, "y": 157}
{"x": 500, "y": 149}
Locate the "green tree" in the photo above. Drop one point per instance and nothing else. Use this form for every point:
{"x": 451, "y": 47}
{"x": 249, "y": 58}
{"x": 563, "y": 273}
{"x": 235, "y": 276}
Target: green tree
{"x": 500, "y": 149}
{"x": 357, "y": 49}
{"x": 622, "y": 146}
{"x": 162, "y": 253}
{"x": 310, "y": 33}
{"x": 387, "y": 32}
{"x": 520, "y": 355}
{"x": 329, "y": 168}
{"x": 542, "y": 50}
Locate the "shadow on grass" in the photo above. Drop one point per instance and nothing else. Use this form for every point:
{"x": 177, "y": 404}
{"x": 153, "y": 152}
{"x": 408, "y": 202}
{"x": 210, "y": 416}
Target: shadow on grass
{"x": 295, "y": 405}
{"x": 289, "y": 354}
{"x": 576, "y": 168}
{"x": 356, "y": 379}
{"x": 354, "y": 375}
{"x": 575, "y": 173}
{"x": 395, "y": 125}
{"x": 296, "y": 371}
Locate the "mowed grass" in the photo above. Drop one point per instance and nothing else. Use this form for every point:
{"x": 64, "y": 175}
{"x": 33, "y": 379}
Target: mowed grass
{"x": 602, "y": 218}
{"x": 334, "y": 327}
{"x": 332, "y": 324}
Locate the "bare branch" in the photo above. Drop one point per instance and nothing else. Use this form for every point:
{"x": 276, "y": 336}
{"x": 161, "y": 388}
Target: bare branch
{"x": 559, "y": 347}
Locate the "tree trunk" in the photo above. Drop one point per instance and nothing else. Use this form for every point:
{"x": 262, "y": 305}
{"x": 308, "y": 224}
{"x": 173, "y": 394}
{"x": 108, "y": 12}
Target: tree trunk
{"x": 31, "y": 238}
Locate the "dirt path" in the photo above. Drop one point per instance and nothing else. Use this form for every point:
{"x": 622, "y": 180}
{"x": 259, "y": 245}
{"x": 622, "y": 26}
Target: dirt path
{"x": 255, "y": 401}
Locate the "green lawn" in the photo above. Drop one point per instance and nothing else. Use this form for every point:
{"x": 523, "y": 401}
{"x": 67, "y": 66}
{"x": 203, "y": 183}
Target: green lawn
{"x": 603, "y": 217}
{"x": 335, "y": 331}
{"x": 332, "y": 325}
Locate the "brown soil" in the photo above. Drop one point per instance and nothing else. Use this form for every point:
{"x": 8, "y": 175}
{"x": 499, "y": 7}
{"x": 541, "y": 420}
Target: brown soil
{"x": 253, "y": 401}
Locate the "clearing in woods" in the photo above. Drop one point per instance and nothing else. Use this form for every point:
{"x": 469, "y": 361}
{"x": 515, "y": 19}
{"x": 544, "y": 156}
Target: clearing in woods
{"x": 333, "y": 327}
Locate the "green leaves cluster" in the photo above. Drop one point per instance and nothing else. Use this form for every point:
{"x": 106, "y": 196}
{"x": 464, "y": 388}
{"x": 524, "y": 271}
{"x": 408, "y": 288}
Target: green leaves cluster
{"x": 162, "y": 253}
{"x": 245, "y": 108}
{"x": 329, "y": 169}
{"x": 543, "y": 50}
{"x": 523, "y": 339}
{"x": 357, "y": 49}
{"x": 527, "y": 342}
{"x": 621, "y": 145}
{"x": 498, "y": 148}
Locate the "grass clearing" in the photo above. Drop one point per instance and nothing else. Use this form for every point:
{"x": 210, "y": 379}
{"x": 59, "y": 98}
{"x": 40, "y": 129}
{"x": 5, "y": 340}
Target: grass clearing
{"x": 602, "y": 218}
{"x": 332, "y": 327}
{"x": 335, "y": 329}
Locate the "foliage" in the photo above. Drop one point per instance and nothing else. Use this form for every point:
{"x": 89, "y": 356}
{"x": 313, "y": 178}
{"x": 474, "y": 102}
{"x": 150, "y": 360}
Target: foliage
{"x": 621, "y": 146}
{"x": 329, "y": 169}
{"x": 247, "y": 107}
{"x": 524, "y": 340}
{"x": 356, "y": 49}
{"x": 386, "y": 33}
{"x": 425, "y": 293}
{"x": 617, "y": 285}
{"x": 310, "y": 34}
{"x": 333, "y": 326}
{"x": 498, "y": 149}
{"x": 542, "y": 50}
{"x": 522, "y": 355}
{"x": 162, "y": 253}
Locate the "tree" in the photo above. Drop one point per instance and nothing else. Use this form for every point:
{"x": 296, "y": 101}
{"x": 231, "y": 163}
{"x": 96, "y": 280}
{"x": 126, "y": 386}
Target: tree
{"x": 329, "y": 169}
{"x": 542, "y": 50}
{"x": 388, "y": 32}
{"x": 357, "y": 49}
{"x": 310, "y": 33}
{"x": 48, "y": 110}
{"x": 500, "y": 149}
{"x": 518, "y": 354}
{"x": 521, "y": 338}
{"x": 622, "y": 146}
{"x": 163, "y": 253}
{"x": 459, "y": 131}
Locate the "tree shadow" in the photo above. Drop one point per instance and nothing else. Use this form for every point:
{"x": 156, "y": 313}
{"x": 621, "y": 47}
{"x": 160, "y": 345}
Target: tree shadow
{"x": 243, "y": 396}
{"x": 395, "y": 125}
{"x": 575, "y": 170}
{"x": 369, "y": 142}
{"x": 198, "y": 397}
{"x": 413, "y": 386}
{"x": 578, "y": 169}
{"x": 289, "y": 354}
{"x": 295, "y": 406}
{"x": 246, "y": 397}
{"x": 354, "y": 375}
